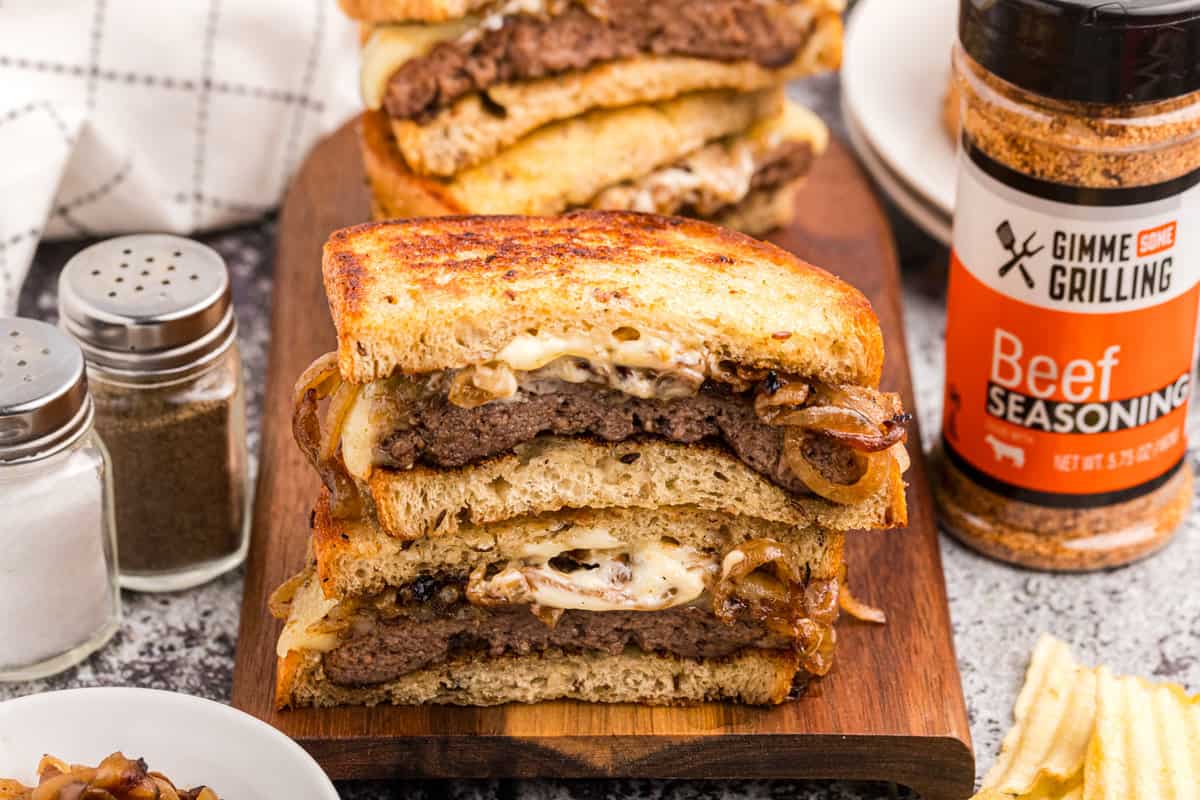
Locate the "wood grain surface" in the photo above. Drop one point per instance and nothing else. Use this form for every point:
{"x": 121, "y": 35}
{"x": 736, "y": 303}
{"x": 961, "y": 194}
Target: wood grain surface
{"x": 892, "y": 709}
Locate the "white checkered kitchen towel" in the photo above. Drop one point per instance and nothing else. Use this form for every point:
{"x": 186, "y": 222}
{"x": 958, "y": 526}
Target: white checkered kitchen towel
{"x": 158, "y": 115}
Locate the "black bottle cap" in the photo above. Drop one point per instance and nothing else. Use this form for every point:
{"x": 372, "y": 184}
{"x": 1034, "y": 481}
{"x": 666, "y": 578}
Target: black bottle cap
{"x": 1088, "y": 51}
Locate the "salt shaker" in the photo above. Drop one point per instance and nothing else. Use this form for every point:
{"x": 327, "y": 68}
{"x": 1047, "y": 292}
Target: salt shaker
{"x": 58, "y": 579}
{"x": 154, "y": 317}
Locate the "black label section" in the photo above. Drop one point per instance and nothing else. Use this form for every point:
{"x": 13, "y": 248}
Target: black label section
{"x": 1079, "y": 195}
{"x": 1055, "y": 499}
{"x": 1060, "y": 416}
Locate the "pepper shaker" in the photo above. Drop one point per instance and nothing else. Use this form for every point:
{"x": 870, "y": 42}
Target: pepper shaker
{"x": 58, "y": 580}
{"x": 154, "y": 316}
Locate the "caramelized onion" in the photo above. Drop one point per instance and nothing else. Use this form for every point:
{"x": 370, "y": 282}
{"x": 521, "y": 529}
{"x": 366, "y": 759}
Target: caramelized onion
{"x": 339, "y": 406}
{"x": 514, "y": 585}
{"x": 774, "y": 596}
{"x": 846, "y": 425}
{"x": 739, "y": 378}
{"x": 477, "y": 386}
{"x": 548, "y": 616}
{"x": 319, "y": 381}
{"x": 780, "y": 396}
{"x": 764, "y": 579}
{"x": 881, "y": 413}
{"x": 821, "y": 601}
{"x": 514, "y": 588}
{"x": 317, "y": 377}
{"x": 280, "y": 601}
{"x": 820, "y": 660}
{"x": 860, "y": 610}
{"x": 116, "y": 778}
{"x": 875, "y": 472}
{"x": 484, "y": 591}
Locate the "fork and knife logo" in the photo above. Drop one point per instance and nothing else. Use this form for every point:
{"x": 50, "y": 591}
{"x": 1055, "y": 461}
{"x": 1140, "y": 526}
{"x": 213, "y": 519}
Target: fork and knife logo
{"x": 1004, "y": 233}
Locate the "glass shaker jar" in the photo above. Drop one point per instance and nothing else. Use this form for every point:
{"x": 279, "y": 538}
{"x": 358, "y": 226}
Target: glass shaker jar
{"x": 155, "y": 319}
{"x": 1074, "y": 280}
{"x": 58, "y": 575}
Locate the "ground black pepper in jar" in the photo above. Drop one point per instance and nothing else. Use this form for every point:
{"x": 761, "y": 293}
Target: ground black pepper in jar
{"x": 154, "y": 317}
{"x": 1071, "y": 311}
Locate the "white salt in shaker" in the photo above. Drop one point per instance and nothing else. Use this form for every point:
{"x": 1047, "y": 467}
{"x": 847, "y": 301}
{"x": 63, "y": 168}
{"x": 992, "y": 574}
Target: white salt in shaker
{"x": 59, "y": 601}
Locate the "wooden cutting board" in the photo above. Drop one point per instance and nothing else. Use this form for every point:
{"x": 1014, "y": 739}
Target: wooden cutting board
{"x": 892, "y": 709}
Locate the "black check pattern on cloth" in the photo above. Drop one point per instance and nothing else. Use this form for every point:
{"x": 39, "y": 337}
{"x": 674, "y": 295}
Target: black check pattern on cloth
{"x": 167, "y": 82}
{"x": 210, "y": 38}
{"x": 181, "y": 116}
{"x": 102, "y": 18}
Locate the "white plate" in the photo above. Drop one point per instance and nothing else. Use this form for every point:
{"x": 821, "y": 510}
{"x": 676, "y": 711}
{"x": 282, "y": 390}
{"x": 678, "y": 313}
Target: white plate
{"x": 192, "y": 741}
{"x": 924, "y": 215}
{"x": 894, "y": 75}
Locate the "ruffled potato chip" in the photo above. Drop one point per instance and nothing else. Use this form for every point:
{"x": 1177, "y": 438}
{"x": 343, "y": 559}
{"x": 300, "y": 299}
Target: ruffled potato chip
{"x": 1044, "y": 751}
{"x": 1083, "y": 734}
{"x": 1146, "y": 743}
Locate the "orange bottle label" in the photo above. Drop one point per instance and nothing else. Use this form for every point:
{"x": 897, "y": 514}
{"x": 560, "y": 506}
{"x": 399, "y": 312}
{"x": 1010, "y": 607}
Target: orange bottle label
{"x": 1071, "y": 320}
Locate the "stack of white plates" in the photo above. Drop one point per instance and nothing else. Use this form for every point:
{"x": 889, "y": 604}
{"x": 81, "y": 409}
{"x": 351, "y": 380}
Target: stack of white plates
{"x": 894, "y": 77}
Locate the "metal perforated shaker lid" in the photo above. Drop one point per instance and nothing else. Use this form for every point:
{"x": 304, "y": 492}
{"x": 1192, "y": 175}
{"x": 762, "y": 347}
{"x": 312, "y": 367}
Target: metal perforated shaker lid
{"x": 149, "y": 303}
{"x": 44, "y": 401}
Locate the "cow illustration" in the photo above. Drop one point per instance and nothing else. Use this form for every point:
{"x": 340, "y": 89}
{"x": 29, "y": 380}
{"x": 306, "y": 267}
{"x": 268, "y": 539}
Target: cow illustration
{"x": 1003, "y": 451}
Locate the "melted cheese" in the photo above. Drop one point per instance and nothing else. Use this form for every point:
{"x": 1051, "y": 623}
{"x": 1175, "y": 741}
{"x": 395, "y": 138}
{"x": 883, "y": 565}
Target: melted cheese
{"x": 648, "y": 577}
{"x": 527, "y": 352}
{"x": 708, "y": 180}
{"x": 359, "y": 436}
{"x": 392, "y": 46}
{"x": 719, "y": 174}
{"x": 309, "y": 607}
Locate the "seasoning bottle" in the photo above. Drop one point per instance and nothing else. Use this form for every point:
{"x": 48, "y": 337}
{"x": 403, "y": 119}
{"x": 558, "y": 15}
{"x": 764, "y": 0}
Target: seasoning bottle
{"x": 1071, "y": 311}
{"x": 58, "y": 576}
{"x": 154, "y": 317}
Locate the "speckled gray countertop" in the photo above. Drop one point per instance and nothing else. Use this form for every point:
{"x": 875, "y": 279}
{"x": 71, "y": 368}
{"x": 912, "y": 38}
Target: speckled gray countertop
{"x": 1142, "y": 619}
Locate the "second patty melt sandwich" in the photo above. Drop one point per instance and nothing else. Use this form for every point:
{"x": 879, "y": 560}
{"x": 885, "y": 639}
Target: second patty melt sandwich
{"x": 605, "y": 456}
{"x": 539, "y": 106}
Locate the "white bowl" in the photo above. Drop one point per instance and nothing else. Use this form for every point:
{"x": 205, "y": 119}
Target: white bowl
{"x": 192, "y": 741}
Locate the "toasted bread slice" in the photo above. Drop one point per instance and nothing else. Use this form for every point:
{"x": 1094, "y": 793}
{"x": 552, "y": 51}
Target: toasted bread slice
{"x": 755, "y": 214}
{"x": 478, "y": 126}
{"x": 565, "y": 164}
{"x": 429, "y": 11}
{"x": 356, "y": 558}
{"x": 721, "y": 176}
{"x": 752, "y": 676}
{"x": 421, "y": 296}
{"x": 762, "y": 212}
{"x": 410, "y": 10}
{"x": 549, "y": 474}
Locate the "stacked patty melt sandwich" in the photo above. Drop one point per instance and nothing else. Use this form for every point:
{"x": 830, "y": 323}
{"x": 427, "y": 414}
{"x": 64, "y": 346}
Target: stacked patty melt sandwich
{"x": 539, "y": 106}
{"x": 605, "y": 456}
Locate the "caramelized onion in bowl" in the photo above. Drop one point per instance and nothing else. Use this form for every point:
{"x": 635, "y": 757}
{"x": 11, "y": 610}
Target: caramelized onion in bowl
{"x": 115, "y": 778}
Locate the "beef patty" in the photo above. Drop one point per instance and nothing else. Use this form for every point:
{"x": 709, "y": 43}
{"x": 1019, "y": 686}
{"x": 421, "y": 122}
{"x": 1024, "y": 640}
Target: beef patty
{"x": 783, "y": 165}
{"x": 423, "y": 637}
{"x": 530, "y": 47}
{"x": 448, "y": 436}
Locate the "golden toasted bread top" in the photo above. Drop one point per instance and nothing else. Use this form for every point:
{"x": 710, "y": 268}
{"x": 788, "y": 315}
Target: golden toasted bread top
{"x": 423, "y": 295}
{"x": 409, "y": 10}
